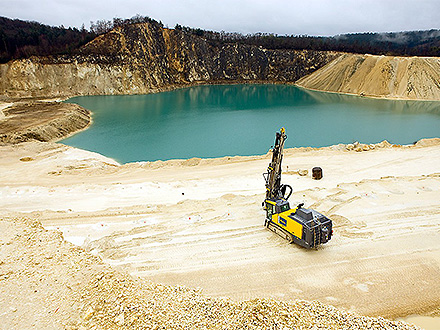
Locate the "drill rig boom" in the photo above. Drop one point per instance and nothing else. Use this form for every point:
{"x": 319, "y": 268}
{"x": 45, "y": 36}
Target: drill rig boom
{"x": 274, "y": 188}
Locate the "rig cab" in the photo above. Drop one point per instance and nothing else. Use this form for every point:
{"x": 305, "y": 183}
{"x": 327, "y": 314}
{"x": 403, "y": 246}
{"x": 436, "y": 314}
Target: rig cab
{"x": 305, "y": 227}
{"x": 299, "y": 225}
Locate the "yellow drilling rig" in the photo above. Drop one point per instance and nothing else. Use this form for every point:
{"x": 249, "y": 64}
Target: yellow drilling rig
{"x": 305, "y": 227}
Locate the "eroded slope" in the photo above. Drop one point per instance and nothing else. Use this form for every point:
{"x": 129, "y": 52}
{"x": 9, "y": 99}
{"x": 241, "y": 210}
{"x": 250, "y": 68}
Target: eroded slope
{"x": 416, "y": 78}
{"x": 143, "y": 58}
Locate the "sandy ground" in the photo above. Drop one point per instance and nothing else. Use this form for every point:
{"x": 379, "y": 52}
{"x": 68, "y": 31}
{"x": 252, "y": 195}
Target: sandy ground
{"x": 48, "y": 283}
{"x": 40, "y": 120}
{"x": 410, "y": 78}
{"x": 199, "y": 223}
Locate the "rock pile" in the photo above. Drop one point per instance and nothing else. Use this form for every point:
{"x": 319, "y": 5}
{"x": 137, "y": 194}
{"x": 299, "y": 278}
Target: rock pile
{"x": 358, "y": 147}
{"x": 62, "y": 286}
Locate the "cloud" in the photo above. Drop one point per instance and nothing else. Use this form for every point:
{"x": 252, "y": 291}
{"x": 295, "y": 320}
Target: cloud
{"x": 313, "y": 17}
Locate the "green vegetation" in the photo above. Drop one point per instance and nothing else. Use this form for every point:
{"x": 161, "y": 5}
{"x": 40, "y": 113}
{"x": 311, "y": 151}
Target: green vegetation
{"x": 410, "y": 43}
{"x": 22, "y": 39}
{"x": 103, "y": 26}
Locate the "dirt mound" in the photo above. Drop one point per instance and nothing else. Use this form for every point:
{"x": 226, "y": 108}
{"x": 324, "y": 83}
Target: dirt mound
{"x": 413, "y": 78}
{"x": 42, "y": 121}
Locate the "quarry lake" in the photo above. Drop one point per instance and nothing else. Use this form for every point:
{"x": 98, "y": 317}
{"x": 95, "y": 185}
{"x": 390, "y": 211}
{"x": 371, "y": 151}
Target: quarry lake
{"x": 228, "y": 120}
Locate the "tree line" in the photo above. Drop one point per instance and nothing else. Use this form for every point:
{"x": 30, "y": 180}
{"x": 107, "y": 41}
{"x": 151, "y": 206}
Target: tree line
{"x": 104, "y": 26}
{"x": 410, "y": 43}
{"x": 22, "y": 39}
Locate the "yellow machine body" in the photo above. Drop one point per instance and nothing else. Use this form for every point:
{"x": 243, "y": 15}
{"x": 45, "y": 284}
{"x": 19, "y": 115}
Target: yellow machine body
{"x": 284, "y": 221}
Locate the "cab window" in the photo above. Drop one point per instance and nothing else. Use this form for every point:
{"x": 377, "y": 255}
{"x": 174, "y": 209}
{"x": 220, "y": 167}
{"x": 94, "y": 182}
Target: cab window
{"x": 285, "y": 207}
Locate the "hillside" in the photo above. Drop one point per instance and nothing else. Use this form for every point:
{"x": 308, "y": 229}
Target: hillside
{"x": 21, "y": 39}
{"x": 144, "y": 58}
{"x": 415, "y": 78}
{"x": 140, "y": 58}
{"x": 408, "y": 43}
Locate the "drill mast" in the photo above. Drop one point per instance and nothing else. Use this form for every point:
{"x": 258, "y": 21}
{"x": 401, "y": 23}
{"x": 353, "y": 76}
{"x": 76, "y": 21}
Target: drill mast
{"x": 274, "y": 189}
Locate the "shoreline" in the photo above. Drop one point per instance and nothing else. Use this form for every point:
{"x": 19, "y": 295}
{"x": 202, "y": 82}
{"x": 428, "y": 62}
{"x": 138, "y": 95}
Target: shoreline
{"x": 374, "y": 97}
{"x": 195, "y": 161}
{"x": 8, "y": 102}
{"x": 63, "y": 98}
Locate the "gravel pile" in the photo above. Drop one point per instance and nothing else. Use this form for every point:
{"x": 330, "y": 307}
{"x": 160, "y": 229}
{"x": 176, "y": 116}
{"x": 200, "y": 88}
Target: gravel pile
{"x": 46, "y": 282}
{"x": 119, "y": 301}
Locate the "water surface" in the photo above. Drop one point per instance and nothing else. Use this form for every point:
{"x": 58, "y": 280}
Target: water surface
{"x": 228, "y": 120}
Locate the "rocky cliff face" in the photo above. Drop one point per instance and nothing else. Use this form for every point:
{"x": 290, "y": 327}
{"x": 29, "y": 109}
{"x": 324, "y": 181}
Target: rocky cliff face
{"x": 144, "y": 58}
{"x": 416, "y": 78}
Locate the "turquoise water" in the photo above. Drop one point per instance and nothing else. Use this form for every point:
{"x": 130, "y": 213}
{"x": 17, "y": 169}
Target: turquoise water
{"x": 228, "y": 120}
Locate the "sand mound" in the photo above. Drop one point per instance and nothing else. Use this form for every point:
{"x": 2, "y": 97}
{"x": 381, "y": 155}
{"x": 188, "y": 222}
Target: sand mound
{"x": 414, "y": 78}
{"x": 41, "y": 121}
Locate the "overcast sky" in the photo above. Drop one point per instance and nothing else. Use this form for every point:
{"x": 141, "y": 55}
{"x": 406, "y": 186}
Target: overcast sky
{"x": 313, "y": 17}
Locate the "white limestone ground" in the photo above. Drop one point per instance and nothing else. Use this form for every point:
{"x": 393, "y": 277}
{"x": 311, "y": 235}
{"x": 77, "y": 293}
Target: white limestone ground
{"x": 199, "y": 223}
